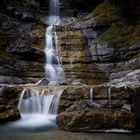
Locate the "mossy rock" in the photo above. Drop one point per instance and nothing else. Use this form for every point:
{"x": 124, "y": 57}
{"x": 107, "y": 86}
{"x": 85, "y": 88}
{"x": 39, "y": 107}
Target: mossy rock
{"x": 121, "y": 33}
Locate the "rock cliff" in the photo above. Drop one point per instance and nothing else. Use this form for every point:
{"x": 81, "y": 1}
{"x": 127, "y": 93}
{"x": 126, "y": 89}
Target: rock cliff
{"x": 98, "y": 47}
{"x": 101, "y": 47}
{"x": 21, "y": 42}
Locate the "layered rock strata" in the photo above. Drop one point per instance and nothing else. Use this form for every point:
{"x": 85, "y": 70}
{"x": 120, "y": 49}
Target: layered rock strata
{"x": 99, "y": 108}
{"x": 22, "y": 42}
{"x": 74, "y": 58}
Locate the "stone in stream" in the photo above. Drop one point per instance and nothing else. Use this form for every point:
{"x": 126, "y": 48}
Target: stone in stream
{"x": 78, "y": 112}
{"x": 82, "y": 116}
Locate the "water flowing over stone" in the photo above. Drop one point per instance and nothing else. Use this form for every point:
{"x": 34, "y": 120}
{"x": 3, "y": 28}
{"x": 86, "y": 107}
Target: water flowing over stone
{"x": 36, "y": 102}
{"x": 54, "y": 7}
{"x": 53, "y": 68}
{"x": 38, "y": 107}
{"x": 109, "y": 96}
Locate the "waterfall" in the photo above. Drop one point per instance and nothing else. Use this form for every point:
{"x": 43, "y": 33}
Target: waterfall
{"x": 34, "y": 105}
{"x": 54, "y": 7}
{"x": 109, "y": 96}
{"x": 36, "y": 102}
{"x": 91, "y": 94}
{"x": 38, "y": 107}
{"x": 53, "y": 67}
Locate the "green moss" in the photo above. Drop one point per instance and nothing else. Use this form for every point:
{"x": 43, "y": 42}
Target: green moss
{"x": 120, "y": 30}
{"x": 105, "y": 13}
{"x": 121, "y": 33}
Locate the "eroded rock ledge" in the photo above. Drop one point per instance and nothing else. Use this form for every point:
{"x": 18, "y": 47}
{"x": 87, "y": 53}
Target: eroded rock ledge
{"x": 83, "y": 108}
{"x": 87, "y": 109}
{"x": 84, "y": 116}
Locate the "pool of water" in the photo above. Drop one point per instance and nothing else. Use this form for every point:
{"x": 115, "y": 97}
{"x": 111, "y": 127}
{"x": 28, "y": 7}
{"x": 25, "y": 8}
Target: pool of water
{"x": 49, "y": 131}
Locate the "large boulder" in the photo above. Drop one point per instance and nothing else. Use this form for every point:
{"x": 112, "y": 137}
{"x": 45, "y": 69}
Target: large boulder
{"x": 84, "y": 116}
{"x": 9, "y": 97}
{"x": 72, "y": 94}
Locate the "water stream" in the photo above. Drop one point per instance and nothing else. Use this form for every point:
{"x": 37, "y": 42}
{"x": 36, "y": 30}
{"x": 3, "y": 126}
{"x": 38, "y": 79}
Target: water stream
{"x": 53, "y": 67}
{"x": 37, "y": 108}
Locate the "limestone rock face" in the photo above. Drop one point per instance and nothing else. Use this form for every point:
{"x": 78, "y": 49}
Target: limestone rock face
{"x": 115, "y": 53}
{"x": 8, "y": 103}
{"x": 21, "y": 42}
{"x": 103, "y": 107}
{"x": 111, "y": 96}
{"x": 10, "y": 80}
{"x": 135, "y": 101}
{"x": 72, "y": 94}
{"x": 83, "y": 116}
{"x": 74, "y": 58}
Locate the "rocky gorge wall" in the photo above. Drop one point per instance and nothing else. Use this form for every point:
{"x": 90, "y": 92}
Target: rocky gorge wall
{"x": 101, "y": 47}
{"x": 82, "y": 108}
{"x": 21, "y": 42}
{"x": 96, "y": 46}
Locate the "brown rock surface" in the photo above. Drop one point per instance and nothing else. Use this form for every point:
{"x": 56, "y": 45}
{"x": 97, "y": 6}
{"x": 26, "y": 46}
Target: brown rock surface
{"x": 83, "y": 116}
{"x": 71, "y": 95}
{"x": 9, "y": 97}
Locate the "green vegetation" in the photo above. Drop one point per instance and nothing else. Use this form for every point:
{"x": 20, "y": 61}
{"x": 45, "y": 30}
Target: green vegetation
{"x": 105, "y": 13}
{"x": 121, "y": 33}
{"x": 120, "y": 30}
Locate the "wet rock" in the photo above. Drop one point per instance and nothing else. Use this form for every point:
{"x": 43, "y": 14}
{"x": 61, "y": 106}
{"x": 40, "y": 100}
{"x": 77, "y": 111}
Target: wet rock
{"x": 130, "y": 77}
{"x": 19, "y": 46}
{"x": 8, "y": 103}
{"x": 126, "y": 107}
{"x": 135, "y": 101}
{"x": 73, "y": 94}
{"x": 9, "y": 114}
{"x": 10, "y": 80}
{"x": 28, "y": 17}
{"x": 87, "y": 24}
{"x": 78, "y": 82}
{"x": 83, "y": 117}
{"x": 74, "y": 56}
{"x": 102, "y": 92}
{"x": 43, "y": 81}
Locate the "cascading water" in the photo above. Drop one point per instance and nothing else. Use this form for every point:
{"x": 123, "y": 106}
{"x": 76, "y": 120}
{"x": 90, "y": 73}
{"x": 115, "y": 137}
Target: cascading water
{"x": 37, "y": 108}
{"x": 53, "y": 67}
{"x": 109, "y": 96}
{"x": 35, "y": 102}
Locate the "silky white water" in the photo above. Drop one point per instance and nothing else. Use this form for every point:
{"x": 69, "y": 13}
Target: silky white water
{"x": 53, "y": 67}
{"x": 38, "y": 109}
